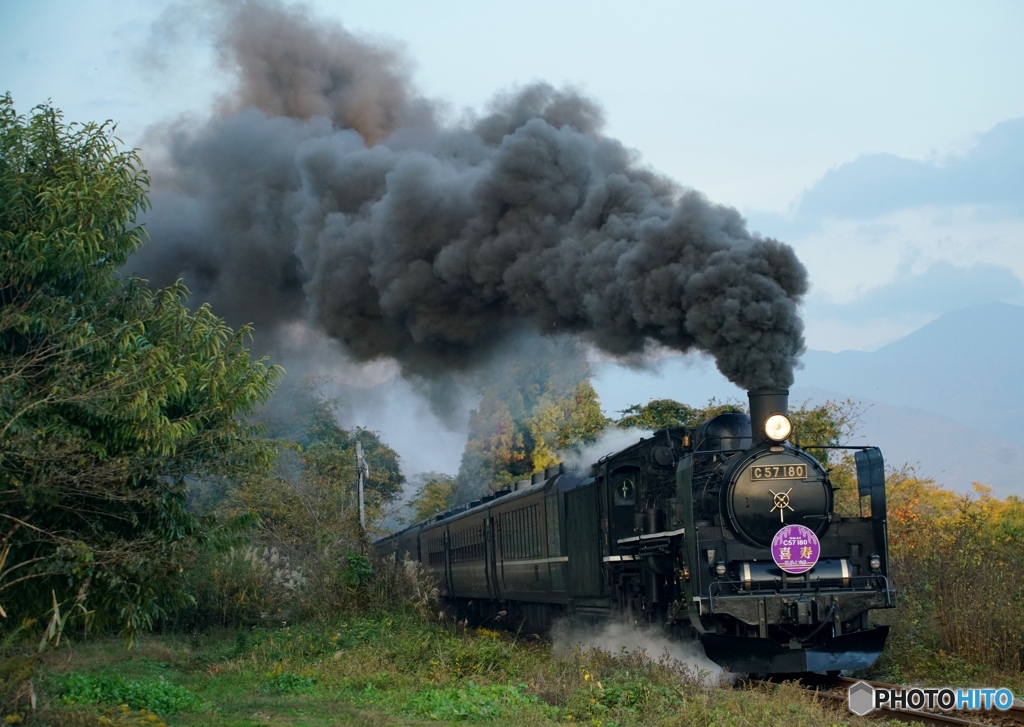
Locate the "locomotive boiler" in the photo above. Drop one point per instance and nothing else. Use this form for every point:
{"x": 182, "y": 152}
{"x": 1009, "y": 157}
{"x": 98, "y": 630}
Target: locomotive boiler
{"x": 725, "y": 532}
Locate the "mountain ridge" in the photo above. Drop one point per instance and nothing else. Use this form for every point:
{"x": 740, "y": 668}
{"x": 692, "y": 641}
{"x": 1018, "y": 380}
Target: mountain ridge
{"x": 947, "y": 398}
{"x": 964, "y": 365}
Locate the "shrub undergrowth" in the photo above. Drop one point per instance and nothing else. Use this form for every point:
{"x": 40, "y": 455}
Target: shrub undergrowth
{"x": 958, "y": 568}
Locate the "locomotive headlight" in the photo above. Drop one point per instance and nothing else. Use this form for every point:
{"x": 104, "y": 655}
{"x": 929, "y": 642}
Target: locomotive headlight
{"x": 875, "y": 562}
{"x": 720, "y": 568}
{"x": 778, "y": 427}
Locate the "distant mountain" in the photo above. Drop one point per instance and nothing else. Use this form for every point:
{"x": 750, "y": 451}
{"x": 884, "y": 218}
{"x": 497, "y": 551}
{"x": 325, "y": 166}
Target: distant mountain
{"x": 947, "y": 399}
{"x": 966, "y": 366}
{"x": 952, "y": 453}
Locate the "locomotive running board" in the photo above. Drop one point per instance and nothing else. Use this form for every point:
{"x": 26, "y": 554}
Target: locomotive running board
{"x": 651, "y": 536}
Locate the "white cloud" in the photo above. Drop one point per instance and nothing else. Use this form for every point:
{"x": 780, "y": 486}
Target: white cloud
{"x": 990, "y": 173}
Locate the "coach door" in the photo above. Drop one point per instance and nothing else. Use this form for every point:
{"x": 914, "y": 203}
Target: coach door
{"x": 490, "y": 567}
{"x": 448, "y": 562}
{"x": 583, "y": 542}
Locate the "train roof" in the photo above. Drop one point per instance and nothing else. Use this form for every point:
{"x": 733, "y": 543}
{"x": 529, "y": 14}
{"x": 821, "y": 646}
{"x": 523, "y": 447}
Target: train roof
{"x": 565, "y": 479}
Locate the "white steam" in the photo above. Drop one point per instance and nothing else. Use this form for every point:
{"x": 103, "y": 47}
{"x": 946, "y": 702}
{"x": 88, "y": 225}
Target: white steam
{"x": 622, "y": 638}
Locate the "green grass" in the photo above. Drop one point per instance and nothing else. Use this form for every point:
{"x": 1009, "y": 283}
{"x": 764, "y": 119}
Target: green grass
{"x": 477, "y": 703}
{"x": 113, "y": 689}
{"x": 389, "y": 670}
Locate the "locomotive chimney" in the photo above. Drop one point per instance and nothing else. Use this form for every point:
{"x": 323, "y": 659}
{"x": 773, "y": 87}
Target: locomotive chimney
{"x": 763, "y": 404}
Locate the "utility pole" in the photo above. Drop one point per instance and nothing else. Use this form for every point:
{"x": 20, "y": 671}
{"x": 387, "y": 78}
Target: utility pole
{"x": 363, "y": 470}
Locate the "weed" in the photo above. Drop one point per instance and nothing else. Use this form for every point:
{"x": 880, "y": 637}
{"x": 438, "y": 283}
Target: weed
{"x": 357, "y": 570}
{"x": 473, "y": 702}
{"x": 16, "y": 688}
{"x": 155, "y": 696}
{"x": 280, "y": 681}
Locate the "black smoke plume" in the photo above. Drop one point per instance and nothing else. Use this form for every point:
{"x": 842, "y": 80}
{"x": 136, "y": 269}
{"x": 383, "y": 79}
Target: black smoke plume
{"x": 326, "y": 191}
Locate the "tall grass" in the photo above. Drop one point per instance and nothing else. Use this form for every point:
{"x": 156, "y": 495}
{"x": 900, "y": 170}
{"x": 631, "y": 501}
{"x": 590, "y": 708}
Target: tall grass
{"x": 272, "y": 586}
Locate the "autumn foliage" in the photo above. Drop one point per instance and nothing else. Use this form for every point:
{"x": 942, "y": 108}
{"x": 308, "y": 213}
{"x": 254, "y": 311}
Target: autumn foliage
{"x": 537, "y": 402}
{"x": 958, "y": 564}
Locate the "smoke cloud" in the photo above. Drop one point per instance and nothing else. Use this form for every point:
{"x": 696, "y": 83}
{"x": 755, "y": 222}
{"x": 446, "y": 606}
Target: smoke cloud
{"x": 325, "y": 191}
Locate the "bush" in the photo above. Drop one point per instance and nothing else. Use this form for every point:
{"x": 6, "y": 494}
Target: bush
{"x": 959, "y": 572}
{"x": 243, "y": 587}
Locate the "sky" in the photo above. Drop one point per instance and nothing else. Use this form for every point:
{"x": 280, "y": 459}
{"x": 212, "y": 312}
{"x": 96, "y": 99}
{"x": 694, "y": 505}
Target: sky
{"x": 883, "y": 141}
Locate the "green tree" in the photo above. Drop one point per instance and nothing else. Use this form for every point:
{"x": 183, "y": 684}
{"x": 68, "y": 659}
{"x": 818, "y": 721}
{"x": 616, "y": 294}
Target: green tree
{"x": 664, "y": 413}
{"x": 307, "y": 507}
{"x": 112, "y": 397}
{"x": 301, "y": 415}
{"x": 311, "y": 494}
{"x": 433, "y": 495}
{"x": 828, "y": 424}
{"x": 536, "y": 403}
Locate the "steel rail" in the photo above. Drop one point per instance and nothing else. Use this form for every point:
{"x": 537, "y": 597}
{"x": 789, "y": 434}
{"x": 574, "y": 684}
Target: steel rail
{"x": 1012, "y": 716}
{"x": 825, "y": 687}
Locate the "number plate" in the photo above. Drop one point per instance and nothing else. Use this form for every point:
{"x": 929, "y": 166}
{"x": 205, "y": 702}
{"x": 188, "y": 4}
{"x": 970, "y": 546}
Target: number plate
{"x": 779, "y": 472}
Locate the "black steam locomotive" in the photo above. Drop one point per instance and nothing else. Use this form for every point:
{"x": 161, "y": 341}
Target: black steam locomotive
{"x": 724, "y": 532}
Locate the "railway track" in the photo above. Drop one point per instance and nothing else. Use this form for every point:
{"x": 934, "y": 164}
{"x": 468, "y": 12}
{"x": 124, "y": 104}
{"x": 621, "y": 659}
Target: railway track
{"x": 835, "y": 691}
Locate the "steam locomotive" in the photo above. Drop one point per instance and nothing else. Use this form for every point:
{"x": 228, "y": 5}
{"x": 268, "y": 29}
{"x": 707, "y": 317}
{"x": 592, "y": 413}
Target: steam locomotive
{"x": 724, "y": 532}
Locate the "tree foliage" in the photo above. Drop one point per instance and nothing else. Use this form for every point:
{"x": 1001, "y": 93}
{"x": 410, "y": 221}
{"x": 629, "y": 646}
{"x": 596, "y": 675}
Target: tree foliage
{"x": 664, "y": 413}
{"x": 829, "y": 425}
{"x": 958, "y": 566}
{"x": 311, "y": 494}
{"x": 433, "y": 495}
{"x": 307, "y": 557}
{"x": 112, "y": 396}
{"x": 536, "y": 403}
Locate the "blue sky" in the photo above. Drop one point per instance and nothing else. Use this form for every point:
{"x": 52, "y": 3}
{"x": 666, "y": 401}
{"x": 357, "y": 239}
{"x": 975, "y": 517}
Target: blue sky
{"x": 884, "y": 141}
{"x": 750, "y": 102}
